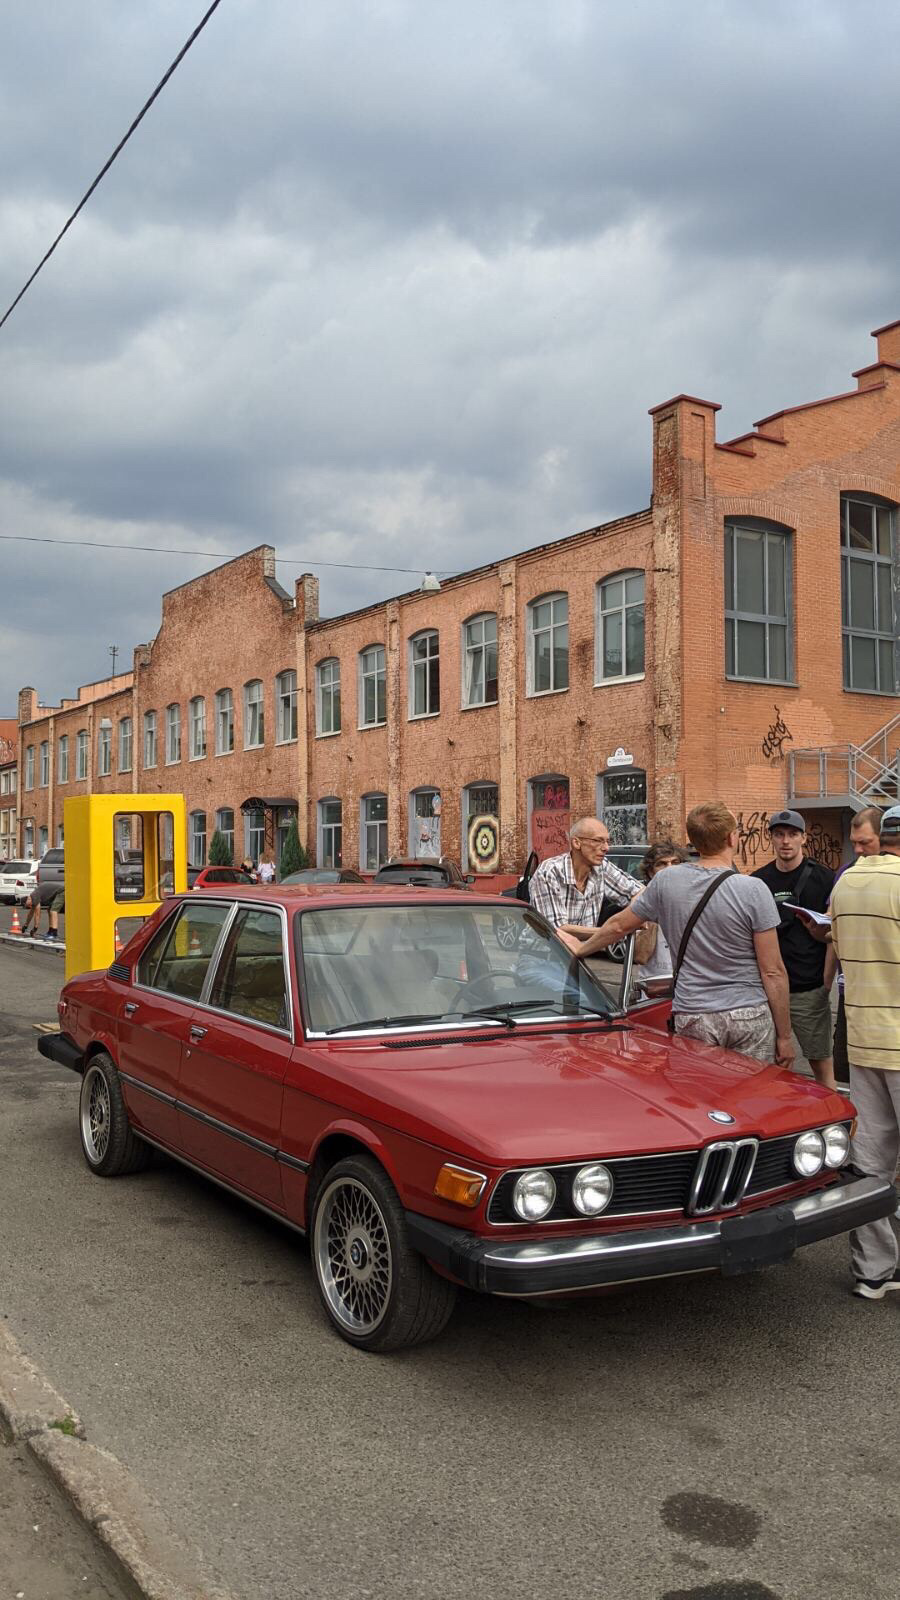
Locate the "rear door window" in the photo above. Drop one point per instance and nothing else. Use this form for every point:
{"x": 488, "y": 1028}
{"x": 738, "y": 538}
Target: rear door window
{"x": 178, "y": 963}
{"x": 250, "y": 977}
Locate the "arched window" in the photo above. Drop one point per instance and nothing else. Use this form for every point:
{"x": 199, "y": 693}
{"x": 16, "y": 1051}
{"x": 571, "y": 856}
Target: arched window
{"x": 547, "y": 658}
{"x": 224, "y": 722}
{"x": 424, "y": 674}
{"x": 758, "y": 602}
{"x": 480, "y": 800}
{"x": 330, "y": 831}
{"x": 328, "y": 696}
{"x": 479, "y": 660}
{"x": 173, "y": 734}
{"x": 81, "y": 754}
{"x": 286, "y": 707}
{"x": 225, "y": 826}
{"x": 620, "y": 627}
{"x": 372, "y": 690}
{"x": 868, "y": 571}
{"x": 549, "y": 814}
{"x": 622, "y": 804}
{"x": 62, "y": 759}
{"x": 197, "y": 710}
{"x": 125, "y": 742}
{"x": 254, "y": 717}
{"x": 425, "y": 823}
{"x": 104, "y": 747}
{"x": 149, "y": 738}
{"x": 373, "y": 831}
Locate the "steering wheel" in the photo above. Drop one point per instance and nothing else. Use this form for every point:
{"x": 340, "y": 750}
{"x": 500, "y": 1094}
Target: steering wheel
{"x": 470, "y": 986}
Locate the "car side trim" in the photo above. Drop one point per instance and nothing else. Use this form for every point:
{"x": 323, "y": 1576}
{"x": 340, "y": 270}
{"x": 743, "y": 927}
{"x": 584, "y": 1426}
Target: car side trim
{"x": 214, "y": 1122}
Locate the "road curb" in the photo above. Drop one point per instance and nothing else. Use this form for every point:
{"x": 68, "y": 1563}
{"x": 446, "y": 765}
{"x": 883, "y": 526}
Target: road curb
{"x": 103, "y": 1493}
{"x": 25, "y": 942}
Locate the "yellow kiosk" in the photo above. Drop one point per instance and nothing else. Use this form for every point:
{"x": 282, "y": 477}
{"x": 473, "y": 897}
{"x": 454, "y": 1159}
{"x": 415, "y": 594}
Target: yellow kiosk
{"x": 124, "y": 852}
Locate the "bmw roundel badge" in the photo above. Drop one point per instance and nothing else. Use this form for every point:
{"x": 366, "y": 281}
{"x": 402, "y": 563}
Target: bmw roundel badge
{"x": 720, "y": 1116}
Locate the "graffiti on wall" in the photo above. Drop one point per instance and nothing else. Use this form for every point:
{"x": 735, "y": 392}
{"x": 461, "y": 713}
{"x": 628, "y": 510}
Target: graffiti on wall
{"x": 754, "y": 838}
{"x": 777, "y": 736}
{"x": 755, "y": 841}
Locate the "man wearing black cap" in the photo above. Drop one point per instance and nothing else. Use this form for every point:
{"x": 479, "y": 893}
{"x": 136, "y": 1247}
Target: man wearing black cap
{"x": 795, "y": 880}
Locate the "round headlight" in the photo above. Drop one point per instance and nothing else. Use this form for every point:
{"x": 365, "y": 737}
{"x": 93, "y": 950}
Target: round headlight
{"x": 534, "y": 1194}
{"x": 592, "y": 1189}
{"x": 809, "y": 1154}
{"x": 837, "y": 1144}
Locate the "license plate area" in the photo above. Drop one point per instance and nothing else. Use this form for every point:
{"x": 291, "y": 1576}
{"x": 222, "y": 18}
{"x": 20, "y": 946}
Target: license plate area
{"x": 758, "y": 1240}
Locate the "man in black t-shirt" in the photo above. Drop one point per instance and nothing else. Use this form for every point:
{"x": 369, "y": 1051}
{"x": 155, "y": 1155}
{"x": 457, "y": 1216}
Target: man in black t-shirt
{"x": 793, "y": 878}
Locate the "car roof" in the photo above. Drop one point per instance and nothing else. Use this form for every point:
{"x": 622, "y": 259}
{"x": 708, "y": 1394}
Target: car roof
{"x": 306, "y": 894}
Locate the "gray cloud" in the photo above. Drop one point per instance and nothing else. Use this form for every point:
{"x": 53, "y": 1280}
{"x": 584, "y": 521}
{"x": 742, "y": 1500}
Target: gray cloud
{"x": 408, "y": 277}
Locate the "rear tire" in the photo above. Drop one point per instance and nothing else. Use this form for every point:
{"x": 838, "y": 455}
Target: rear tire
{"x": 108, "y": 1142}
{"x": 378, "y": 1293}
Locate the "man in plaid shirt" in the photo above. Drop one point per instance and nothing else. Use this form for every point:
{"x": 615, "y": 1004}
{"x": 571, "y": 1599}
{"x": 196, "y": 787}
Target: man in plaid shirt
{"x": 570, "y": 888}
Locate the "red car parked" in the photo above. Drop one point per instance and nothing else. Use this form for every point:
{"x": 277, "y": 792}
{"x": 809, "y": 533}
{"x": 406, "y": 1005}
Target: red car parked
{"x": 379, "y": 1071}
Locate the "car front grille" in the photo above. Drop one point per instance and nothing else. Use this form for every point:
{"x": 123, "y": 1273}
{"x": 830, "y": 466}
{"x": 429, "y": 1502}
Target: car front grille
{"x": 695, "y": 1182}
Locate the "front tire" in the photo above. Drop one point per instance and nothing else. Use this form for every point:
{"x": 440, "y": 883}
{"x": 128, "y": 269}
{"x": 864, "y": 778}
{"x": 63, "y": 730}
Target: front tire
{"x": 108, "y": 1143}
{"x": 377, "y": 1292}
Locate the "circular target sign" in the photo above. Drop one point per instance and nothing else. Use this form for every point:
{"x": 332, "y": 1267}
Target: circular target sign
{"x": 484, "y": 843}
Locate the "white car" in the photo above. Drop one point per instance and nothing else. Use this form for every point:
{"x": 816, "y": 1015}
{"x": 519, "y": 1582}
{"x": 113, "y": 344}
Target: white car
{"x": 17, "y": 879}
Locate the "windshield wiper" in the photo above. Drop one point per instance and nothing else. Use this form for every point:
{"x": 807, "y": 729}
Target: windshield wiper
{"x": 502, "y": 1010}
{"x": 386, "y": 1022}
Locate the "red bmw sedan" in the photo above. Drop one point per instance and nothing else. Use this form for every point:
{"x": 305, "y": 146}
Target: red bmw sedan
{"x": 383, "y": 1072}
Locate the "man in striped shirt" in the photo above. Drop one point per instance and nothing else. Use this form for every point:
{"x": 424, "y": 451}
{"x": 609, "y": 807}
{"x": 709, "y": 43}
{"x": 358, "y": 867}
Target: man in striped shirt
{"x": 865, "y": 921}
{"x": 571, "y": 888}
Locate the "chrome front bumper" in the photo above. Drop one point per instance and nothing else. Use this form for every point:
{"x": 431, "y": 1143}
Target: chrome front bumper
{"x": 731, "y": 1245}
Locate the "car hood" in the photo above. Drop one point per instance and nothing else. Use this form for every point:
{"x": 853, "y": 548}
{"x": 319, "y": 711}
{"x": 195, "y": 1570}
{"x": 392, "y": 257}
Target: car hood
{"x": 539, "y": 1097}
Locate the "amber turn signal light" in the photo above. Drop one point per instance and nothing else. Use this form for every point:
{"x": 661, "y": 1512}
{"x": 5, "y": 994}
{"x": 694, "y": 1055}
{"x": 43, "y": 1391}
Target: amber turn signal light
{"x": 464, "y": 1188}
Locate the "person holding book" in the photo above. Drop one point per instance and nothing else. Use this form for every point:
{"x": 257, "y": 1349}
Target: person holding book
{"x": 799, "y": 884}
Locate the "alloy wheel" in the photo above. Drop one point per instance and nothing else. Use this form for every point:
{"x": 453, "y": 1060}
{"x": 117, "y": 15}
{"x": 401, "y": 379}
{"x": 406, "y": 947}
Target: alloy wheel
{"x": 95, "y": 1115}
{"x": 353, "y": 1256}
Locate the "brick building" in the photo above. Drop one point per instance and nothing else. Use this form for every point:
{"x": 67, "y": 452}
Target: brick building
{"x": 9, "y": 738}
{"x": 737, "y": 638}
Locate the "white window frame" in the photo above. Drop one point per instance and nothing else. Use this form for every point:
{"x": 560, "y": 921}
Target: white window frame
{"x": 622, "y": 612}
{"x": 126, "y": 744}
{"x": 286, "y": 707}
{"x": 468, "y": 812}
{"x": 60, "y": 836}
{"x": 254, "y": 714}
{"x": 44, "y": 764}
{"x": 378, "y": 674}
{"x": 420, "y": 672}
{"x": 325, "y": 831}
{"x": 197, "y": 728}
{"x": 29, "y": 767}
{"x": 254, "y": 834}
{"x": 173, "y": 733}
{"x": 104, "y": 747}
{"x": 781, "y": 539}
{"x": 196, "y": 855}
{"x": 62, "y": 758}
{"x": 469, "y": 651}
{"x": 224, "y": 722}
{"x": 605, "y": 807}
{"x": 227, "y": 833}
{"x": 82, "y": 755}
{"x": 28, "y": 840}
{"x": 367, "y": 823}
{"x": 149, "y": 739}
{"x": 554, "y": 599}
{"x": 328, "y": 689}
{"x": 43, "y": 840}
{"x": 884, "y": 635}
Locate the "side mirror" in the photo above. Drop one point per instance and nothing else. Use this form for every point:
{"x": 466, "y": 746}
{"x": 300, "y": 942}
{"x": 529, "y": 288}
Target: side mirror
{"x": 470, "y": 877}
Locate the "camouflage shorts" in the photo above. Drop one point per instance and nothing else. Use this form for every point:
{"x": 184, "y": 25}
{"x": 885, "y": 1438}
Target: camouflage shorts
{"x": 748, "y": 1029}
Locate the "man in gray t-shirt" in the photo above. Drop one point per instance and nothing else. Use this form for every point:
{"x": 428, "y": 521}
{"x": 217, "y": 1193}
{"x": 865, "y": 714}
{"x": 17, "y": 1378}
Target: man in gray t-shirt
{"x": 732, "y": 989}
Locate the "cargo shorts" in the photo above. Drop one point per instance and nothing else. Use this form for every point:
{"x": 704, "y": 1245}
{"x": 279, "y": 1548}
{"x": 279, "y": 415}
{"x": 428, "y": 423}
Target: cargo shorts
{"x": 811, "y": 1022}
{"x": 747, "y": 1029}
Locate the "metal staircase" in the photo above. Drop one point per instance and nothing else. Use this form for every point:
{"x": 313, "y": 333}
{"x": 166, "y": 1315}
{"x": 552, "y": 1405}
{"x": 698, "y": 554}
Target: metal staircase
{"x": 851, "y": 775}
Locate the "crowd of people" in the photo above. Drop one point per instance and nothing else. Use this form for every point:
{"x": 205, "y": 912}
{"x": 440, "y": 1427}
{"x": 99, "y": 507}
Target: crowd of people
{"x": 753, "y": 959}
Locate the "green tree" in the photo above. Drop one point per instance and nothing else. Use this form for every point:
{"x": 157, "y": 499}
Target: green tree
{"x": 219, "y": 851}
{"x": 294, "y": 856}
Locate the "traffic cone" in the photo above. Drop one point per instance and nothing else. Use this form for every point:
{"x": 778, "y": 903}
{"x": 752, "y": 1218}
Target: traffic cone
{"x": 15, "y": 926}
{"x": 463, "y": 973}
{"x": 118, "y": 946}
{"x": 194, "y": 948}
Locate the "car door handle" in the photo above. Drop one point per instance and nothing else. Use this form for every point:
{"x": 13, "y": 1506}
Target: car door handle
{"x": 198, "y": 1033}
{"x": 130, "y": 1006}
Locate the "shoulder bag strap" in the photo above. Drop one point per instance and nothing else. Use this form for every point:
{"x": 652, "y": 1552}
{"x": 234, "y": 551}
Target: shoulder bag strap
{"x": 692, "y": 919}
{"x": 802, "y": 881}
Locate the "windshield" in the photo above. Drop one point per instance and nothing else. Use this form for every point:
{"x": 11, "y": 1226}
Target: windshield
{"x": 400, "y": 966}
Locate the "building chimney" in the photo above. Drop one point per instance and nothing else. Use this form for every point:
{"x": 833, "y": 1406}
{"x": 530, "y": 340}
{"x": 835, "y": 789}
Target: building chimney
{"x": 307, "y": 599}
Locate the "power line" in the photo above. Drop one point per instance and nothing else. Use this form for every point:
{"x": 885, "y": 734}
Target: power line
{"x": 119, "y": 148}
{"x": 209, "y": 555}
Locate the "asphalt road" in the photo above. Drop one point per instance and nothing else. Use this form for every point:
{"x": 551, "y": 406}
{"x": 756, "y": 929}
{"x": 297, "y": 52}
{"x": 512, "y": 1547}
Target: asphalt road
{"x": 702, "y": 1438}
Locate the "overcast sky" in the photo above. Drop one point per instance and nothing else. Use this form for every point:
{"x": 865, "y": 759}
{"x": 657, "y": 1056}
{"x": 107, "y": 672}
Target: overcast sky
{"x": 397, "y": 280}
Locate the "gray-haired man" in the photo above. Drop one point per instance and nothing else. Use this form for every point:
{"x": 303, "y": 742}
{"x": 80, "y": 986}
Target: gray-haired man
{"x": 571, "y": 888}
